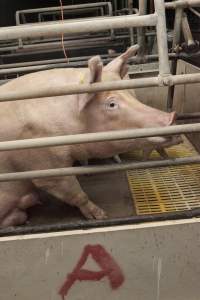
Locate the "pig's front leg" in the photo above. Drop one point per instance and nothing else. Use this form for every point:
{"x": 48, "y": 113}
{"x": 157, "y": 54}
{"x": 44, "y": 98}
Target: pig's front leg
{"x": 69, "y": 190}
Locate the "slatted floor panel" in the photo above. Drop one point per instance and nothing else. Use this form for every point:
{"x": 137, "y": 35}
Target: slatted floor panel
{"x": 166, "y": 189}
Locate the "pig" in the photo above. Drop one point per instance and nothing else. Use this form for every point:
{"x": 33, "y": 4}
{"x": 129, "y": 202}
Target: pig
{"x": 64, "y": 115}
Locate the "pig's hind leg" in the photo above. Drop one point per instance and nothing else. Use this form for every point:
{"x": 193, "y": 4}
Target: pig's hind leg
{"x": 15, "y": 198}
{"x": 14, "y": 218}
{"x": 69, "y": 191}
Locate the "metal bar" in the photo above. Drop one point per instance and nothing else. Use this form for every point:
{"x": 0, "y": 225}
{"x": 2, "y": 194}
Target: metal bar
{"x": 187, "y": 32}
{"x": 88, "y": 224}
{"x": 98, "y": 137}
{"x": 70, "y": 43}
{"x": 182, "y": 3}
{"x": 187, "y": 116}
{"x": 175, "y": 44}
{"x": 97, "y": 169}
{"x": 97, "y": 87}
{"x": 162, "y": 38}
{"x": 66, "y": 7}
{"x": 84, "y": 59}
{"x": 41, "y": 16}
{"x": 194, "y": 12}
{"x": 177, "y": 26}
{"x": 141, "y": 31}
{"x": 82, "y": 26}
{"x": 131, "y": 31}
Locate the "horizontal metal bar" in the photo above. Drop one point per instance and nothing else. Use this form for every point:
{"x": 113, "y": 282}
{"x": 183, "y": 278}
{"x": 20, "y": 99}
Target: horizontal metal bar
{"x": 97, "y": 169}
{"x": 101, "y": 86}
{"x": 66, "y": 7}
{"x": 84, "y": 59}
{"x": 186, "y": 116}
{"x": 81, "y": 26}
{"x": 82, "y": 224}
{"x": 98, "y": 137}
{"x": 181, "y": 3}
{"x": 68, "y": 44}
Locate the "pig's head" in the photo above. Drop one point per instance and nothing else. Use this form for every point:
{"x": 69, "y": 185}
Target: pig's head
{"x": 120, "y": 109}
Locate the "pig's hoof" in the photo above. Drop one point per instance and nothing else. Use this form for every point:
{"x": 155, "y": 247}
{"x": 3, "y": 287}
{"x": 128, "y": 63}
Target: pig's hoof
{"x": 16, "y": 217}
{"x": 92, "y": 211}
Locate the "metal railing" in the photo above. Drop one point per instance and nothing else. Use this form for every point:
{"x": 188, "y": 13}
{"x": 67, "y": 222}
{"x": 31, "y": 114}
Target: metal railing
{"x": 164, "y": 79}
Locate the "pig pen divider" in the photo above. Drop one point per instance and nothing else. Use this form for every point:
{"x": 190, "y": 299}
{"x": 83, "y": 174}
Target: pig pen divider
{"x": 164, "y": 79}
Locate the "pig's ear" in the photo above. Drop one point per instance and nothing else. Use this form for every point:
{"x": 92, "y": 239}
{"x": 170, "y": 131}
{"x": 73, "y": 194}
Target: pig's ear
{"x": 95, "y": 66}
{"x": 119, "y": 64}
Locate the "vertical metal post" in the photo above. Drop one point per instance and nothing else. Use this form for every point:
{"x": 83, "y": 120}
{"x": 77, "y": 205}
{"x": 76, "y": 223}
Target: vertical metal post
{"x": 131, "y": 30}
{"x": 187, "y": 32}
{"x": 141, "y": 31}
{"x": 162, "y": 38}
{"x": 175, "y": 46}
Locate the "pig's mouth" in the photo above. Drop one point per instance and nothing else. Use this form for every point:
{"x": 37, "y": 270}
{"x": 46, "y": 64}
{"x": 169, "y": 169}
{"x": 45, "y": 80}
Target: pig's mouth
{"x": 171, "y": 120}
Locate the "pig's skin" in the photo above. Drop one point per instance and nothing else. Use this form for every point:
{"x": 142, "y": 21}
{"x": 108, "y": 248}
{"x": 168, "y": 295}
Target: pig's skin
{"x": 72, "y": 114}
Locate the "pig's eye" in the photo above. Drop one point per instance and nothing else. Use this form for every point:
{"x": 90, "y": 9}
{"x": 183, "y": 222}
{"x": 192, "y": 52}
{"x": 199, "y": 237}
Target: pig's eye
{"x": 112, "y": 105}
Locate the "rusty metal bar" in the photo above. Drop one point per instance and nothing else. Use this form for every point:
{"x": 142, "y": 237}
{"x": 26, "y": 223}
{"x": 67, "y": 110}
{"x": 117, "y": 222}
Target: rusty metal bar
{"x": 98, "y": 137}
{"x": 102, "y": 86}
{"x": 97, "y": 169}
{"x": 81, "y": 26}
{"x": 162, "y": 38}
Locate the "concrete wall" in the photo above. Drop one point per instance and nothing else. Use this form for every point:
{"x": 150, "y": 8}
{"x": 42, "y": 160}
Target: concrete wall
{"x": 155, "y": 261}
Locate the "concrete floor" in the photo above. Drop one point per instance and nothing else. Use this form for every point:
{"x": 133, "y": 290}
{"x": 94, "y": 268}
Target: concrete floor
{"x": 109, "y": 191}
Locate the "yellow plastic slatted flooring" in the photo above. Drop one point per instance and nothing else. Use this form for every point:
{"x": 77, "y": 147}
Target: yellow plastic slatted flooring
{"x": 165, "y": 189}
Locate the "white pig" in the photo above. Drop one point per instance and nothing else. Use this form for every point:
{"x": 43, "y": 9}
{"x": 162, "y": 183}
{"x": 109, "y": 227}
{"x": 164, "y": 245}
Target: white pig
{"x": 64, "y": 115}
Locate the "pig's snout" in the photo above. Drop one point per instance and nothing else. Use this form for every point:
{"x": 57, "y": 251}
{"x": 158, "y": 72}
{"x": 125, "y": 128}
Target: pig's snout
{"x": 167, "y": 120}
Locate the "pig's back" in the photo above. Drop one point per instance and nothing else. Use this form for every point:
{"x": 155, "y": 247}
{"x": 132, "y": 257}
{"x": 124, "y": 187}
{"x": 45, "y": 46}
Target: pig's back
{"x": 45, "y": 79}
{"x": 55, "y": 115}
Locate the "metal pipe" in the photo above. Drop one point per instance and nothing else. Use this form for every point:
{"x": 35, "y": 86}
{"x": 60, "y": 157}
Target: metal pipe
{"x": 131, "y": 30}
{"x": 182, "y": 3}
{"x": 187, "y": 32}
{"x": 177, "y": 26}
{"x": 82, "y": 26}
{"x": 175, "y": 47}
{"x": 68, "y": 44}
{"x": 67, "y": 7}
{"x": 162, "y": 38}
{"x": 97, "y": 87}
{"x": 88, "y": 224}
{"x": 187, "y": 116}
{"x": 141, "y": 31}
{"x": 194, "y": 12}
{"x": 97, "y": 169}
{"x": 98, "y": 137}
{"x": 84, "y": 59}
